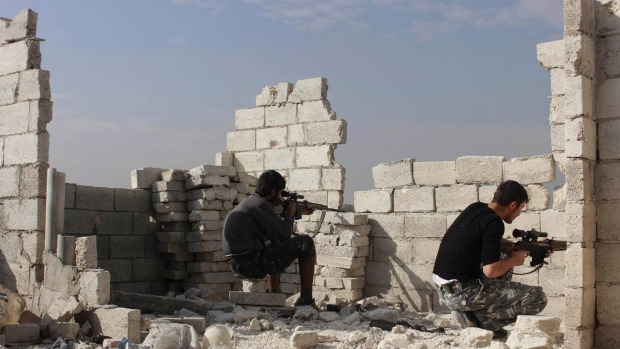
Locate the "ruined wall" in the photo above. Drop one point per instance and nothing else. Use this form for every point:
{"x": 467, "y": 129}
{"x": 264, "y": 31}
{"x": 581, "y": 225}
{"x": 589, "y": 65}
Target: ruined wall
{"x": 415, "y": 202}
{"x": 25, "y": 110}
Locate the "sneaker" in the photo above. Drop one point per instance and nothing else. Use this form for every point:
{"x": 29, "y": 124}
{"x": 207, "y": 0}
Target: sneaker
{"x": 465, "y": 319}
{"x": 300, "y": 302}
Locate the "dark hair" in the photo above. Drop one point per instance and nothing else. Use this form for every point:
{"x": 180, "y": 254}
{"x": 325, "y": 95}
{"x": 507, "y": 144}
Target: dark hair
{"x": 269, "y": 180}
{"x": 510, "y": 191}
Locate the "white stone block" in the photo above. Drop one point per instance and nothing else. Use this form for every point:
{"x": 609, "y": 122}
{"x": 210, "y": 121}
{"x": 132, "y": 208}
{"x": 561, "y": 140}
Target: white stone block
{"x": 609, "y": 63}
{"x": 579, "y": 97}
{"x": 224, "y": 159}
{"x": 281, "y": 115}
{"x": 529, "y": 324}
{"x": 579, "y": 17}
{"x": 580, "y": 179}
{"x": 250, "y": 161}
{"x": 538, "y": 197}
{"x": 580, "y": 222}
{"x": 321, "y": 155}
{"x": 14, "y": 118}
{"x": 272, "y": 137}
{"x": 479, "y": 169}
{"x": 241, "y": 140}
{"x": 24, "y": 25}
{"x": 553, "y": 223}
{"x": 607, "y": 102}
{"x": 315, "y": 111}
{"x": 94, "y": 288}
{"x": 279, "y": 159}
{"x": 425, "y": 251}
{"x": 558, "y": 137}
{"x": 19, "y": 56}
{"x": 557, "y": 114}
{"x": 559, "y": 198}
{"x": 387, "y": 226}
{"x": 581, "y": 307}
{"x": 422, "y": 225}
{"x": 455, "y": 198}
{"x": 116, "y": 323}
{"x": 551, "y": 54}
{"x": 8, "y": 88}
{"x": 24, "y": 214}
{"x": 558, "y": 82}
{"x": 581, "y": 138}
{"x": 378, "y": 201}
{"x": 144, "y": 178}
{"x": 212, "y": 170}
{"x": 608, "y": 221}
{"x": 609, "y": 139}
{"x": 581, "y": 267}
{"x": 33, "y": 84}
{"x": 9, "y": 182}
{"x": 335, "y": 199}
{"x": 414, "y": 199}
{"x": 276, "y": 94}
{"x": 536, "y": 169}
{"x": 86, "y": 252}
{"x": 434, "y": 173}
{"x": 393, "y": 174}
{"x": 249, "y": 118}
{"x": 329, "y": 132}
{"x": 309, "y": 90}
{"x": 333, "y": 178}
{"x": 305, "y": 179}
{"x": 608, "y": 181}
{"x": 473, "y": 337}
{"x": 296, "y": 135}
{"x": 579, "y": 55}
{"x": 526, "y": 221}
{"x": 486, "y": 193}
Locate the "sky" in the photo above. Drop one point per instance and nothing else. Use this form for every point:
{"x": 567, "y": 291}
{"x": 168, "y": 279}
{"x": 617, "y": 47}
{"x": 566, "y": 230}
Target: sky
{"x": 155, "y": 83}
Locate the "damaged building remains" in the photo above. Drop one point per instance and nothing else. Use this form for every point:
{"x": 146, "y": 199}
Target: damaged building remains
{"x": 68, "y": 252}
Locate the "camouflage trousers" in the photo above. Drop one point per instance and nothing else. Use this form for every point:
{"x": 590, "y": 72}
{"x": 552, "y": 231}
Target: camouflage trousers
{"x": 495, "y": 302}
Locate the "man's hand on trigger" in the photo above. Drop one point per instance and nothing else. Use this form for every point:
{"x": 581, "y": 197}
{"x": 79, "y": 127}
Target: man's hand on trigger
{"x": 307, "y": 210}
{"x": 290, "y": 210}
{"x": 519, "y": 257}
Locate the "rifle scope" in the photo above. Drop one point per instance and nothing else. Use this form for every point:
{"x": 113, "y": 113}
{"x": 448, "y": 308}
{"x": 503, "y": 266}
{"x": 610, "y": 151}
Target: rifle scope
{"x": 532, "y": 234}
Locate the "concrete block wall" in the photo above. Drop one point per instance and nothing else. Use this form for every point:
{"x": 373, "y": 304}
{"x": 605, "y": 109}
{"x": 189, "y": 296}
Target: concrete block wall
{"x": 124, "y": 225}
{"x": 413, "y": 203}
{"x": 25, "y": 110}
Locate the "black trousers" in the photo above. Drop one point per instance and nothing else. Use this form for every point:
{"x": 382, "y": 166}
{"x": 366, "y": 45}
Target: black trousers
{"x": 258, "y": 263}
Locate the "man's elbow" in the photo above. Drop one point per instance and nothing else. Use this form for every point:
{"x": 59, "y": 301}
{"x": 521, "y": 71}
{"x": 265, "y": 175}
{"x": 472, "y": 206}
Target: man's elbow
{"x": 491, "y": 271}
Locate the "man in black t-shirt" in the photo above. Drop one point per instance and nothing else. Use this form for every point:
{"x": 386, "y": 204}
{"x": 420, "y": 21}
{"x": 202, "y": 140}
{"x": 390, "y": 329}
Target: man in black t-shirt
{"x": 472, "y": 277}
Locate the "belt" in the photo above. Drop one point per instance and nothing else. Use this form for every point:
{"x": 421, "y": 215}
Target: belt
{"x": 455, "y": 286}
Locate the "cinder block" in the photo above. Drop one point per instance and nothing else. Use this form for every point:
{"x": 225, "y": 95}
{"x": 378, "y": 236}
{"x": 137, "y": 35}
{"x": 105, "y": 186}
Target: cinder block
{"x": 168, "y": 207}
{"x": 19, "y": 56}
{"x": 557, "y": 115}
{"x": 346, "y": 218}
{"x": 24, "y": 214}
{"x": 9, "y": 181}
{"x": 553, "y": 223}
{"x": 558, "y": 137}
{"x": 580, "y": 267}
{"x": 175, "y": 175}
{"x": 24, "y": 25}
{"x": 148, "y": 269}
{"x": 14, "y": 118}
{"x": 94, "y": 198}
{"x": 33, "y": 84}
{"x": 580, "y": 179}
{"x": 21, "y": 333}
{"x": 605, "y": 337}
{"x": 580, "y": 222}
{"x": 538, "y": 197}
{"x": 193, "y": 183}
{"x": 608, "y": 221}
{"x": 281, "y": 115}
{"x": 116, "y": 323}
{"x": 333, "y": 178}
{"x": 40, "y": 115}
{"x": 578, "y": 17}
{"x": 393, "y": 174}
{"x": 556, "y": 307}
{"x": 211, "y": 170}
{"x": 377, "y": 274}
{"x": 558, "y": 82}
{"x": 486, "y": 193}
{"x": 241, "y": 140}
{"x": 580, "y": 135}
{"x": 26, "y": 148}
{"x": 550, "y": 54}
{"x": 608, "y": 304}
{"x": 607, "y": 257}
{"x": 309, "y": 90}
{"x": 315, "y": 111}
{"x": 94, "y": 288}
{"x": 536, "y": 169}
{"x": 607, "y": 103}
{"x": 455, "y": 198}
{"x": 580, "y": 55}
{"x": 132, "y": 200}
{"x": 414, "y": 199}
{"x": 276, "y": 94}
{"x": 578, "y": 337}
{"x": 608, "y": 60}
{"x": 525, "y": 221}
{"x": 296, "y": 135}
{"x": 579, "y": 97}
{"x": 551, "y": 279}
{"x": 305, "y": 179}
{"x": 144, "y": 177}
{"x": 123, "y": 246}
{"x": 479, "y": 169}
{"x": 272, "y": 137}
{"x": 559, "y": 198}
{"x": 33, "y": 181}
{"x": 160, "y": 186}
{"x": 608, "y": 181}
{"x": 280, "y": 159}
{"x": 8, "y": 88}
{"x": 378, "y": 200}
{"x": 86, "y": 252}
{"x": 249, "y": 118}
{"x": 425, "y": 251}
{"x": 315, "y": 156}
{"x": 580, "y": 307}
{"x": 529, "y": 324}
{"x": 224, "y": 159}
{"x": 328, "y": 132}
{"x": 421, "y": 225}
{"x": 608, "y": 142}
{"x": 251, "y": 161}
{"x": 434, "y": 173}
{"x": 120, "y": 269}
{"x": 387, "y": 226}
{"x": 66, "y": 330}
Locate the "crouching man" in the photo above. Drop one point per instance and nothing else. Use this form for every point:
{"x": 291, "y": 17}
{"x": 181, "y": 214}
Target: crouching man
{"x": 258, "y": 242}
{"x": 473, "y": 279}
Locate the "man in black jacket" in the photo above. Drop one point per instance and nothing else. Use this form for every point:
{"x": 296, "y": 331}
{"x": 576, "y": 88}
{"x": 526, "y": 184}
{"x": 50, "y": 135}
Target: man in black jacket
{"x": 472, "y": 277}
{"x": 258, "y": 242}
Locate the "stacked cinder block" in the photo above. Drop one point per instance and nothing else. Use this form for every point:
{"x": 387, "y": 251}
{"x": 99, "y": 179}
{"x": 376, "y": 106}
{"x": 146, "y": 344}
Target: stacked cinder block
{"x": 413, "y": 203}
{"x": 170, "y": 205}
{"x": 25, "y": 110}
{"x": 210, "y": 196}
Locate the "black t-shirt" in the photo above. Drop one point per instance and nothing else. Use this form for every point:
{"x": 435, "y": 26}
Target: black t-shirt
{"x": 474, "y": 239}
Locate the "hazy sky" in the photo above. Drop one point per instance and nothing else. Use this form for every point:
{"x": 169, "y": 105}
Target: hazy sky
{"x": 155, "y": 83}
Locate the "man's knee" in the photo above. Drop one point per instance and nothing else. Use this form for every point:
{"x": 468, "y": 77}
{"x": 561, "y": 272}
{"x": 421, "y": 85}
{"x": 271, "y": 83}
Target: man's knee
{"x": 306, "y": 249}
